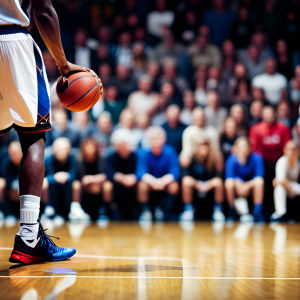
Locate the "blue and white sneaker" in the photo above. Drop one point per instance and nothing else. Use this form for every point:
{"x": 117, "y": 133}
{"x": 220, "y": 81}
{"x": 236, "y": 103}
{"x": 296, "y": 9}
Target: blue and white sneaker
{"x": 41, "y": 249}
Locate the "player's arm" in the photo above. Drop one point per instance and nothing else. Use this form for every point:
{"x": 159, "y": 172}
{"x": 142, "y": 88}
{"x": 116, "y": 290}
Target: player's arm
{"x": 48, "y": 25}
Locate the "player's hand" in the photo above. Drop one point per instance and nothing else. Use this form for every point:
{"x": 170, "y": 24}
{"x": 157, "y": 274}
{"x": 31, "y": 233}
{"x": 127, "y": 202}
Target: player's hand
{"x": 98, "y": 79}
{"x": 70, "y": 67}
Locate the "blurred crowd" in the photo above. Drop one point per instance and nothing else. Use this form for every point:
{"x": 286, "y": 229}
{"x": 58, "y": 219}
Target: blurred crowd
{"x": 199, "y": 117}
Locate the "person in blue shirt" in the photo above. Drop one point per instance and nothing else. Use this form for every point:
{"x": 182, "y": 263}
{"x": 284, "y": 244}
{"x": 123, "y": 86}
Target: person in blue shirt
{"x": 201, "y": 176}
{"x": 157, "y": 171}
{"x": 244, "y": 172}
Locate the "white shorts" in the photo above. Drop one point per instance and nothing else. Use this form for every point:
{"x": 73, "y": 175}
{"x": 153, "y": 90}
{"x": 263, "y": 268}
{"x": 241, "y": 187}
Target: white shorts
{"x": 24, "y": 87}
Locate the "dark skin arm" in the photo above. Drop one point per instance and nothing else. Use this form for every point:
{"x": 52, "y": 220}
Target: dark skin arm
{"x": 48, "y": 25}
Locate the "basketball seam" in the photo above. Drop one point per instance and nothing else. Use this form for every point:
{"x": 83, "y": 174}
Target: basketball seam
{"x": 92, "y": 100}
{"x": 82, "y": 96}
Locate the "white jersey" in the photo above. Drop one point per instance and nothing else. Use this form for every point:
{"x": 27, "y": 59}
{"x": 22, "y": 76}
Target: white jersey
{"x": 11, "y": 12}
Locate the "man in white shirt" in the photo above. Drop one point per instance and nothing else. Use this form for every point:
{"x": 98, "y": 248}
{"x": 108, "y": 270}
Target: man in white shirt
{"x": 273, "y": 83}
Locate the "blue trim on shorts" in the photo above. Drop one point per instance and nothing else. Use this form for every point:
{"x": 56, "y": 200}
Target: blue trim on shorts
{"x": 11, "y": 29}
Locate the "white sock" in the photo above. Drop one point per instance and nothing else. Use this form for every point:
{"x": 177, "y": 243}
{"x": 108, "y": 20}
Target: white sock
{"x": 29, "y": 213}
{"x": 280, "y": 200}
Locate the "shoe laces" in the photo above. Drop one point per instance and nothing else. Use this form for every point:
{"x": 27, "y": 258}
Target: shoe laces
{"x": 44, "y": 236}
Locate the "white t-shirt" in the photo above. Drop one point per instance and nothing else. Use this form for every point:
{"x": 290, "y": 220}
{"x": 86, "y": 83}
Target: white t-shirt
{"x": 272, "y": 85}
{"x": 156, "y": 20}
{"x": 141, "y": 103}
{"x": 11, "y": 13}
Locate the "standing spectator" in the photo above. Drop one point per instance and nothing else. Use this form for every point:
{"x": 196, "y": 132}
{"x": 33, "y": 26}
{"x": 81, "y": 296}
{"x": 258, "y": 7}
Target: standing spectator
{"x": 201, "y": 176}
{"x": 61, "y": 170}
{"x": 91, "y": 179}
{"x": 237, "y": 111}
{"x": 123, "y": 81}
{"x": 219, "y": 18}
{"x": 229, "y": 137}
{"x": 214, "y": 115}
{"x": 286, "y": 183}
{"x": 174, "y": 128}
{"x": 189, "y": 103}
{"x": 157, "y": 171}
{"x": 158, "y": 19}
{"x": 244, "y": 175}
{"x": 202, "y": 53}
{"x": 273, "y": 83}
{"x": 102, "y": 132}
{"x": 283, "y": 58}
{"x": 143, "y": 101}
{"x": 120, "y": 170}
{"x": 255, "y": 110}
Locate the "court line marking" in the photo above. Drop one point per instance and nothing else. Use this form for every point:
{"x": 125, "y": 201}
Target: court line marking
{"x": 157, "y": 277}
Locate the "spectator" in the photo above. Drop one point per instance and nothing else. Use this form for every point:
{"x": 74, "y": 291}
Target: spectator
{"x": 240, "y": 74}
{"x": 296, "y": 133}
{"x": 123, "y": 81}
{"x": 122, "y": 51}
{"x": 214, "y": 115}
{"x": 168, "y": 48}
{"x": 82, "y": 55}
{"x": 229, "y": 136}
{"x": 61, "y": 169}
{"x": 273, "y": 83}
{"x": 9, "y": 171}
{"x": 253, "y": 61}
{"x": 102, "y": 56}
{"x": 259, "y": 40}
{"x": 189, "y": 103}
{"x": 111, "y": 103}
{"x": 82, "y": 124}
{"x": 202, "y": 53}
{"x": 168, "y": 92}
{"x": 157, "y": 171}
{"x": 200, "y": 90}
{"x": 283, "y": 113}
{"x": 294, "y": 90}
{"x": 217, "y": 18}
{"x": 174, "y": 128}
{"x": 242, "y": 29}
{"x": 244, "y": 175}
{"x": 91, "y": 179}
{"x": 229, "y": 59}
{"x": 120, "y": 170}
{"x": 194, "y": 132}
{"x": 286, "y": 183}
{"x": 143, "y": 101}
{"x": 139, "y": 59}
{"x": 256, "y": 108}
{"x": 159, "y": 19}
{"x": 103, "y": 132}
{"x": 61, "y": 127}
{"x": 283, "y": 58}
{"x": 104, "y": 73}
{"x": 202, "y": 177}
{"x": 241, "y": 93}
{"x": 237, "y": 111}
{"x": 258, "y": 94}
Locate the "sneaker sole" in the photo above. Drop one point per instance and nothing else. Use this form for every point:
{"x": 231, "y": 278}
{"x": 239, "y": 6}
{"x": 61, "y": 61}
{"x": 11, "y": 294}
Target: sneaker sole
{"x": 22, "y": 258}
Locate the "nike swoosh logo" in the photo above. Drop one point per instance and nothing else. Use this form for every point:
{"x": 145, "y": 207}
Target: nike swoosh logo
{"x": 32, "y": 244}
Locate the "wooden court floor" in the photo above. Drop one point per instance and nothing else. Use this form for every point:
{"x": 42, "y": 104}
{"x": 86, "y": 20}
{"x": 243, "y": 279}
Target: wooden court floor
{"x": 162, "y": 261}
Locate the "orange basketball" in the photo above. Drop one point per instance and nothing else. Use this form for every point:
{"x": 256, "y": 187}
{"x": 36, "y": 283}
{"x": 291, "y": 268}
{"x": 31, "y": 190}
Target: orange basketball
{"x": 79, "y": 91}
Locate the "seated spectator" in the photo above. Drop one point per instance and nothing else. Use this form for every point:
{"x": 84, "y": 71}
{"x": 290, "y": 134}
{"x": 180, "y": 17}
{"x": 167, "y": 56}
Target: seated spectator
{"x": 157, "y": 171}
{"x": 168, "y": 91}
{"x": 228, "y": 137}
{"x": 174, "y": 128}
{"x": 159, "y": 117}
{"x": 201, "y": 176}
{"x": 214, "y": 114}
{"x": 283, "y": 113}
{"x": 283, "y": 58}
{"x": 120, "y": 167}
{"x": 202, "y": 53}
{"x": 102, "y": 132}
{"x": 105, "y": 73}
{"x": 91, "y": 180}
{"x": 201, "y": 92}
{"x": 294, "y": 91}
{"x": 102, "y": 56}
{"x": 158, "y": 19}
{"x": 286, "y": 183}
{"x": 168, "y": 48}
{"x": 110, "y": 103}
{"x": 82, "y": 54}
{"x": 193, "y": 133}
{"x": 229, "y": 60}
{"x": 61, "y": 127}
{"x": 153, "y": 70}
{"x": 123, "y": 81}
{"x": 169, "y": 74}
{"x": 253, "y": 61}
{"x": 10, "y": 183}
{"x": 143, "y": 101}
{"x": 189, "y": 103}
{"x": 237, "y": 111}
{"x": 139, "y": 59}
{"x": 273, "y": 84}
{"x": 240, "y": 74}
{"x": 83, "y": 124}
{"x": 60, "y": 172}
{"x": 241, "y": 94}
{"x": 255, "y": 110}
{"x": 258, "y": 94}
{"x": 244, "y": 172}
{"x": 296, "y": 133}
{"x": 259, "y": 40}
{"x": 122, "y": 51}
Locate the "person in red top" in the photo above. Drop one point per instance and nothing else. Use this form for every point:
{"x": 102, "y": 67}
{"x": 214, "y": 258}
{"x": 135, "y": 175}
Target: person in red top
{"x": 268, "y": 138}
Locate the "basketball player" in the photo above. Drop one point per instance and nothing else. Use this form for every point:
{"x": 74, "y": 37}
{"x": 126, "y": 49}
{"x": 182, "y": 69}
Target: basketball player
{"x": 25, "y": 106}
